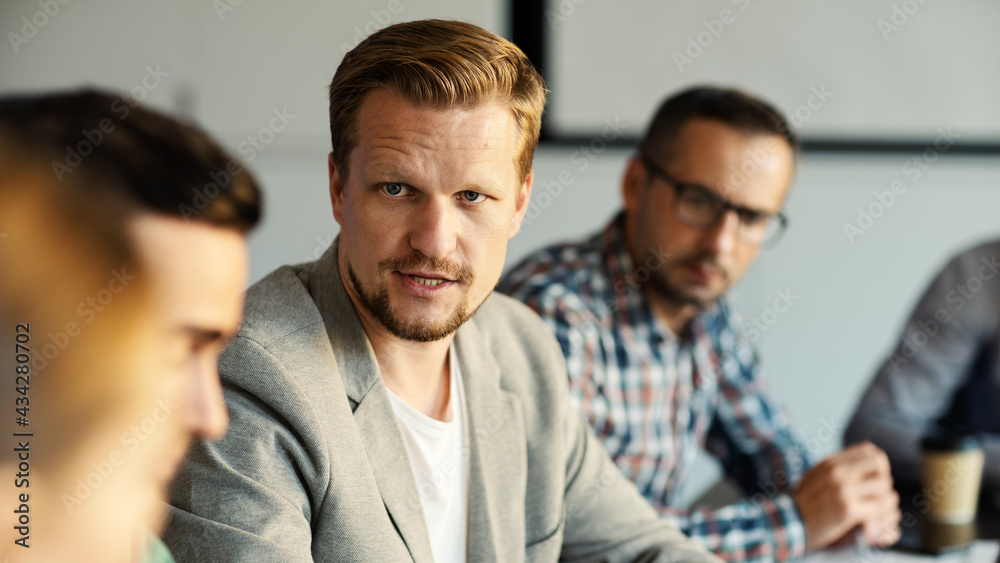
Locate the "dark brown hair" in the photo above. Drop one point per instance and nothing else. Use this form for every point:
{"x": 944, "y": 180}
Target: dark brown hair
{"x": 732, "y": 107}
{"x": 162, "y": 164}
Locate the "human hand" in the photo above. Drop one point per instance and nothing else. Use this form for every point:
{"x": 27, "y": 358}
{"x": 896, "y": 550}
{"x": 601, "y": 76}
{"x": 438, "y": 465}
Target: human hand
{"x": 852, "y": 488}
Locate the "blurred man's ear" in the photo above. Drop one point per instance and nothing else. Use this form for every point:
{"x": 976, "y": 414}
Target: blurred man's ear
{"x": 634, "y": 184}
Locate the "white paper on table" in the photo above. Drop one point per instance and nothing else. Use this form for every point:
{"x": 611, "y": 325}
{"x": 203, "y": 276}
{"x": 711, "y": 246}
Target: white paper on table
{"x": 981, "y": 552}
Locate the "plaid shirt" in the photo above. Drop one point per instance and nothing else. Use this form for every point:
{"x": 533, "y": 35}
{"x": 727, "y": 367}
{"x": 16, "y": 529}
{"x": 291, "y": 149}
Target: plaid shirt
{"x": 654, "y": 399}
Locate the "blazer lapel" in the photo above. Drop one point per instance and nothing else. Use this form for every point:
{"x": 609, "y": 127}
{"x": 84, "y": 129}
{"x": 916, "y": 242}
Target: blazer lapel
{"x": 373, "y": 414}
{"x": 498, "y": 453}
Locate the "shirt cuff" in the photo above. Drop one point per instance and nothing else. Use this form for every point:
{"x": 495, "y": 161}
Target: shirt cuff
{"x": 788, "y": 529}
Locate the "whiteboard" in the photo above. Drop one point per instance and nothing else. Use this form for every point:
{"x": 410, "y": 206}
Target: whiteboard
{"x": 887, "y": 69}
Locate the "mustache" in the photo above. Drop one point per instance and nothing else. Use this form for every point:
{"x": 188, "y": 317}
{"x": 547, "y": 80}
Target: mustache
{"x": 451, "y": 270}
{"x": 703, "y": 259}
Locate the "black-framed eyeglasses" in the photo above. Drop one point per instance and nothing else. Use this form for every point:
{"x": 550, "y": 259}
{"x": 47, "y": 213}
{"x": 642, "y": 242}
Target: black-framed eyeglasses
{"x": 701, "y": 208}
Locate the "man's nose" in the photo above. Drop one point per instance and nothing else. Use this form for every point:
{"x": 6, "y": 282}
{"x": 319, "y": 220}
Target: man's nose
{"x": 435, "y": 232}
{"x": 205, "y": 409}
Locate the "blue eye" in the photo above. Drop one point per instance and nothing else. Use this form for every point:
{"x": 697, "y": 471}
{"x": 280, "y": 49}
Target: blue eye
{"x": 473, "y": 197}
{"x": 394, "y": 188}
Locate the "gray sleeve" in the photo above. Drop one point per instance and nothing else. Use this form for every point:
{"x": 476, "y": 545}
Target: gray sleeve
{"x": 917, "y": 383}
{"x": 245, "y": 498}
{"x": 606, "y": 519}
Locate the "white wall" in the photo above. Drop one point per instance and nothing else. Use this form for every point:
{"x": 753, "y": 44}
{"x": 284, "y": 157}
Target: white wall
{"x": 230, "y": 74}
{"x": 895, "y": 68}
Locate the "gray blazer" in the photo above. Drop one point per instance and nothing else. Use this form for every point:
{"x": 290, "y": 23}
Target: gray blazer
{"x": 313, "y": 467}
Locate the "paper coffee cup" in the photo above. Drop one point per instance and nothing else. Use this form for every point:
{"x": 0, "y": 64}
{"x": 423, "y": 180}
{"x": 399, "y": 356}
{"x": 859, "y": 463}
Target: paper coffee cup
{"x": 952, "y": 472}
{"x": 938, "y": 537}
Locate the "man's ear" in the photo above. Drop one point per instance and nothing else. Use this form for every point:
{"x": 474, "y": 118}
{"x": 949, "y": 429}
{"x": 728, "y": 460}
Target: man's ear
{"x": 336, "y": 189}
{"x": 523, "y": 197}
{"x": 634, "y": 184}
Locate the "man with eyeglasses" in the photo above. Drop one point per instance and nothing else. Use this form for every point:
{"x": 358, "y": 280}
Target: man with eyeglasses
{"x": 659, "y": 361}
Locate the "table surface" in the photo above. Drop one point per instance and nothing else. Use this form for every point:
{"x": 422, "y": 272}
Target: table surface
{"x": 983, "y": 551}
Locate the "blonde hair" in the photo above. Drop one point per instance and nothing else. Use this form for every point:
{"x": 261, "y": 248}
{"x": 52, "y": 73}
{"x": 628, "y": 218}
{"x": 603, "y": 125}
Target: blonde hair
{"x": 441, "y": 64}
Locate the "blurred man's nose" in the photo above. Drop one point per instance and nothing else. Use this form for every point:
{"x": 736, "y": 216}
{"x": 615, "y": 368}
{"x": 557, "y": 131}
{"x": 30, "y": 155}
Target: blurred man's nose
{"x": 721, "y": 237}
{"x": 205, "y": 409}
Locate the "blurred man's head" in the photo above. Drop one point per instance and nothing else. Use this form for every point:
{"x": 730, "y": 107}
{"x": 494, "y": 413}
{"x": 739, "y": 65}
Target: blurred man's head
{"x": 83, "y": 380}
{"x": 705, "y": 192}
{"x": 434, "y": 126}
{"x": 190, "y": 205}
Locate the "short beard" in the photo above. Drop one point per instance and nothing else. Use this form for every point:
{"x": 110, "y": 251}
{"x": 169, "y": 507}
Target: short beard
{"x": 660, "y": 283}
{"x": 666, "y": 290}
{"x": 379, "y": 306}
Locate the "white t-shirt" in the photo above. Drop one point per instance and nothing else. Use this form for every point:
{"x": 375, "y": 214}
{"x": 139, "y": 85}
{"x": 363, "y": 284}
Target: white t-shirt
{"x": 439, "y": 457}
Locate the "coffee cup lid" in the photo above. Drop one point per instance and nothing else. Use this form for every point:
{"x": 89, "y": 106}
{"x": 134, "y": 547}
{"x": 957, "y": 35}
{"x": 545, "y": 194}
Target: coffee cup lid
{"x": 951, "y": 440}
